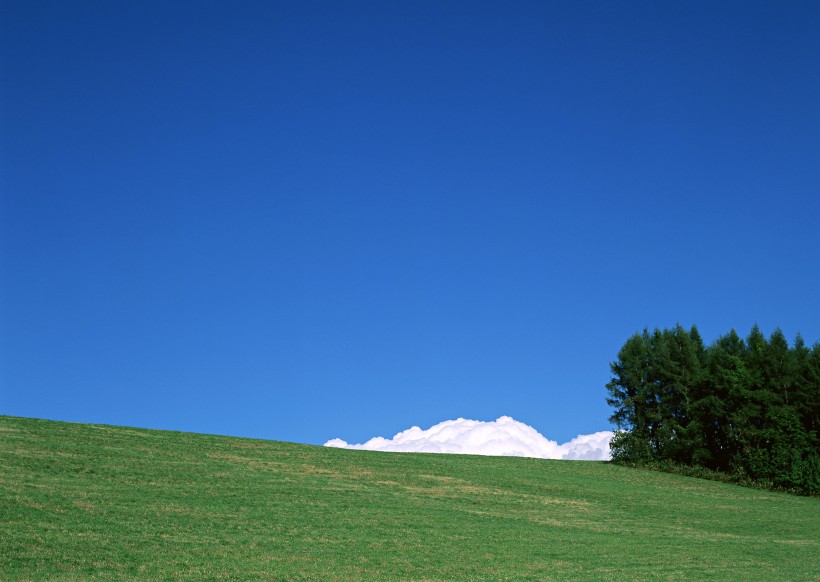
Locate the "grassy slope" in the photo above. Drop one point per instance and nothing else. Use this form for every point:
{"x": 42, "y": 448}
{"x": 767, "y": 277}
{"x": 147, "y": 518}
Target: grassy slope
{"x": 81, "y": 501}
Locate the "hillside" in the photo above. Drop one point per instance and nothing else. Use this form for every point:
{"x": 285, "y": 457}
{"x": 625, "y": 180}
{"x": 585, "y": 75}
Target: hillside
{"x": 86, "y": 501}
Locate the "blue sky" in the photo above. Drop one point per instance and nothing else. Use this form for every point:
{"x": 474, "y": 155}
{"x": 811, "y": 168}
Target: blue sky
{"x": 309, "y": 220}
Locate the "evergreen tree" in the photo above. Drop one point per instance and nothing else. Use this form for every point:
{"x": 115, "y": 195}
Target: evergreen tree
{"x": 749, "y": 408}
{"x": 812, "y": 397}
{"x": 628, "y": 395}
{"x": 720, "y": 408}
{"x": 677, "y": 366}
{"x": 803, "y": 383}
{"x": 778, "y": 373}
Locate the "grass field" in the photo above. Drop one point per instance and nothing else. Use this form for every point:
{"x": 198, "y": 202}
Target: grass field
{"x": 82, "y": 502}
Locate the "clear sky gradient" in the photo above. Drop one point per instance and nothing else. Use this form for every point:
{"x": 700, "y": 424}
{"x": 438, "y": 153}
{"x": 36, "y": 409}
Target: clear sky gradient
{"x": 307, "y": 220}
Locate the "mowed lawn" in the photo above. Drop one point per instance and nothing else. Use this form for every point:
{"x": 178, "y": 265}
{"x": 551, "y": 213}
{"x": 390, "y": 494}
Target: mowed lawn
{"x": 80, "y": 502}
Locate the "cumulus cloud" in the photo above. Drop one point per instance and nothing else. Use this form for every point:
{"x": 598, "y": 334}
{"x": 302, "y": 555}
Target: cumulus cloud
{"x": 503, "y": 437}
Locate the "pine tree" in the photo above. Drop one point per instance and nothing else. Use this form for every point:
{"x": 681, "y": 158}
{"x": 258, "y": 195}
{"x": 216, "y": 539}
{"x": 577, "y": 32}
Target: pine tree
{"x": 746, "y": 407}
{"x": 677, "y": 365}
{"x": 778, "y": 373}
{"x": 628, "y": 395}
{"x": 719, "y": 407}
{"x": 813, "y": 390}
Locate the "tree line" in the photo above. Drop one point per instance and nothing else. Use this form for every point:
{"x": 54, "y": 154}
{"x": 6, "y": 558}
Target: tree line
{"x": 746, "y": 408}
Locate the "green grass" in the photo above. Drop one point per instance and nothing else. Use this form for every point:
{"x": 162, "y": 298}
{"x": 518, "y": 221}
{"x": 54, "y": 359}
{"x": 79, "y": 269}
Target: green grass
{"x": 81, "y": 502}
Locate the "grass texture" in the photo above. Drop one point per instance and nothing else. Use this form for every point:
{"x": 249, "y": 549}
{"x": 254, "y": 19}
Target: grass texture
{"x": 84, "y": 502}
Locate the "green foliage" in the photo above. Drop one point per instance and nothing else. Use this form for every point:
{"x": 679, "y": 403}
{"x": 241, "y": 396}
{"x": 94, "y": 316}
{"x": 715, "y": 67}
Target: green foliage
{"x": 630, "y": 448}
{"x": 747, "y": 408}
{"x": 85, "y": 502}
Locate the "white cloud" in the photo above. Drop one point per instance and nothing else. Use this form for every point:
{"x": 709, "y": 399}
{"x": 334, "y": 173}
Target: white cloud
{"x": 503, "y": 437}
